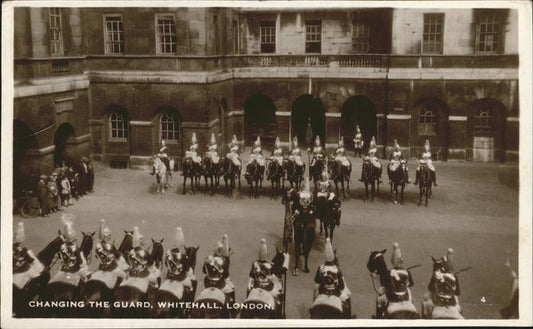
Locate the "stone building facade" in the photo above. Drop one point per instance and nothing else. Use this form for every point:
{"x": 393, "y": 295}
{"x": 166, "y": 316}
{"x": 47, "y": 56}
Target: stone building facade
{"x": 114, "y": 82}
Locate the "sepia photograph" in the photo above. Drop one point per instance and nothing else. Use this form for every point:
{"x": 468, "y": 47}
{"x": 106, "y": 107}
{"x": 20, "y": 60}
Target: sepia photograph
{"x": 268, "y": 163}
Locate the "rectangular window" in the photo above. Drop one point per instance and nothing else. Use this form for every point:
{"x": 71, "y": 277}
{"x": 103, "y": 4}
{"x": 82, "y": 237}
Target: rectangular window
{"x": 433, "y": 31}
{"x": 268, "y": 37}
{"x": 313, "y": 36}
{"x": 165, "y": 34}
{"x": 114, "y": 35}
{"x": 489, "y": 33}
{"x": 360, "y": 37}
{"x": 427, "y": 122}
{"x": 56, "y": 33}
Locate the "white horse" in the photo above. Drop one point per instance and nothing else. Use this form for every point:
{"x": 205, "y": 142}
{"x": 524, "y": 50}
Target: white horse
{"x": 160, "y": 171}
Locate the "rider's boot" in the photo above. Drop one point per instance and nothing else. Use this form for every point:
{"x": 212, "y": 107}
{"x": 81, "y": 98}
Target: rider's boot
{"x": 416, "y": 179}
{"x": 434, "y": 176}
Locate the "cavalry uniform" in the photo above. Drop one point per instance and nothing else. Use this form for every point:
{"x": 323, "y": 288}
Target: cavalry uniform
{"x": 141, "y": 274}
{"x": 212, "y": 150}
{"x": 262, "y": 276}
{"x": 233, "y": 154}
{"x": 277, "y": 154}
{"x": 257, "y": 153}
{"x": 425, "y": 160}
{"x": 339, "y": 154}
{"x": 111, "y": 259}
{"x": 329, "y": 279}
{"x": 372, "y": 159}
{"x": 295, "y": 153}
{"x": 216, "y": 268}
{"x": 26, "y": 266}
{"x": 358, "y": 141}
{"x": 74, "y": 266}
{"x": 192, "y": 153}
{"x": 318, "y": 151}
{"x": 324, "y": 186}
{"x": 396, "y": 159}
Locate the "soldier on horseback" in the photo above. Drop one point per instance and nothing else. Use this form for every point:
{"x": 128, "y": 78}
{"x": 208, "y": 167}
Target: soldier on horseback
{"x": 216, "y": 268}
{"x": 178, "y": 268}
{"x": 192, "y": 153}
{"x": 330, "y": 281}
{"x": 277, "y": 154}
{"x": 400, "y": 281}
{"x": 111, "y": 259}
{"x": 396, "y": 160}
{"x": 233, "y": 154}
{"x": 25, "y": 265}
{"x": 212, "y": 150}
{"x": 358, "y": 141}
{"x": 425, "y": 160}
{"x": 139, "y": 260}
{"x": 257, "y": 153}
{"x": 324, "y": 186}
{"x": 339, "y": 154}
{"x": 295, "y": 153}
{"x": 262, "y": 276}
{"x": 372, "y": 159}
{"x": 318, "y": 152}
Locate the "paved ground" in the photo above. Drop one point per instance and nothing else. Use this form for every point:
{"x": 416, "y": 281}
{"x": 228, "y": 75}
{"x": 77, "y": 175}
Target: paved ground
{"x": 474, "y": 210}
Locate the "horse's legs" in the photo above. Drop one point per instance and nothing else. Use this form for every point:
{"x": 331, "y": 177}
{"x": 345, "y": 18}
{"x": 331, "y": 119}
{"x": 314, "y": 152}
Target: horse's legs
{"x": 401, "y": 193}
{"x": 297, "y": 251}
{"x": 184, "y": 182}
{"x": 331, "y": 228}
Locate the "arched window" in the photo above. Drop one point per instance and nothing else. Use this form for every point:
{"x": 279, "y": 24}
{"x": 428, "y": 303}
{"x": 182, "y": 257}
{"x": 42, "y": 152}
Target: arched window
{"x": 427, "y": 122}
{"x": 169, "y": 127}
{"x": 482, "y": 119}
{"x": 118, "y": 126}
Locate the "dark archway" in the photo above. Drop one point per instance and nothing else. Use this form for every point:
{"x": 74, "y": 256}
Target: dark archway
{"x": 358, "y": 110}
{"x": 486, "y": 126}
{"x": 64, "y": 135}
{"x": 260, "y": 119}
{"x": 430, "y": 122}
{"x": 308, "y": 119}
{"x": 23, "y": 140}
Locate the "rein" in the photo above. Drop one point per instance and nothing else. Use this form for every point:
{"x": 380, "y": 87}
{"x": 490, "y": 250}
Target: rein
{"x": 373, "y": 278}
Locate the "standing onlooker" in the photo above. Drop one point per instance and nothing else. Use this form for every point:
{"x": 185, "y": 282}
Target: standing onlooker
{"x": 90, "y": 175}
{"x": 65, "y": 191}
{"x": 84, "y": 172}
{"x": 73, "y": 178}
{"x": 53, "y": 195}
{"x": 42, "y": 194}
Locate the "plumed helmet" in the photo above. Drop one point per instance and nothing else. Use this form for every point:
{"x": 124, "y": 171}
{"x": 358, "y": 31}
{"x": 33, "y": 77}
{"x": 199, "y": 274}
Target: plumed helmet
{"x": 449, "y": 260}
{"x": 104, "y": 234}
{"x": 328, "y": 251}
{"x": 263, "y": 251}
{"x": 317, "y": 140}
{"x": 277, "y": 143}
{"x": 295, "y": 142}
{"x": 396, "y": 145}
{"x": 219, "y": 249}
{"x": 138, "y": 259}
{"x": 305, "y": 195}
{"x": 427, "y": 148}
{"x": 341, "y": 142}
{"x": 163, "y": 149}
{"x": 174, "y": 259}
{"x": 69, "y": 232}
{"x": 105, "y": 252}
{"x": 372, "y": 142}
{"x": 213, "y": 140}
{"x": 194, "y": 140}
{"x": 396, "y": 258}
{"x": 234, "y": 140}
{"x": 20, "y": 235}
{"x": 225, "y": 245}
{"x": 180, "y": 239}
{"x": 138, "y": 239}
{"x": 325, "y": 174}
{"x": 43, "y": 177}
{"x": 357, "y": 130}
{"x": 257, "y": 142}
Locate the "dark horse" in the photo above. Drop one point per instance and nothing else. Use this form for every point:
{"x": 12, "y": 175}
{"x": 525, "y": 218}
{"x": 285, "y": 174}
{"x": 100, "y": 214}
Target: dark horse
{"x": 254, "y": 176}
{"x": 211, "y": 172}
{"x": 424, "y": 185}
{"x": 231, "y": 172}
{"x": 295, "y": 173}
{"x": 26, "y": 289}
{"x": 304, "y": 235}
{"x": 68, "y": 287}
{"x": 275, "y": 176}
{"x": 370, "y": 179}
{"x": 376, "y": 265}
{"x": 193, "y": 171}
{"x": 398, "y": 178}
{"x": 316, "y": 170}
{"x": 329, "y": 213}
{"x": 340, "y": 174}
{"x": 139, "y": 288}
{"x": 173, "y": 291}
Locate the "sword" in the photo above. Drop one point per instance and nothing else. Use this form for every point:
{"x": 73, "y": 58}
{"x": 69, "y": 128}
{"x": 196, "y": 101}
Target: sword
{"x": 414, "y": 266}
{"x": 463, "y": 270}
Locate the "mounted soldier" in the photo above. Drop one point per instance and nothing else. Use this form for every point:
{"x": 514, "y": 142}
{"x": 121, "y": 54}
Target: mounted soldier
{"x": 192, "y": 153}
{"x": 358, "y": 141}
{"x": 296, "y": 156}
{"x": 26, "y": 266}
{"x": 277, "y": 154}
{"x": 372, "y": 159}
{"x": 257, "y": 153}
{"x": 324, "y": 186}
{"x": 216, "y": 268}
{"x": 262, "y": 275}
{"x": 318, "y": 152}
{"x": 329, "y": 280}
{"x": 425, "y": 160}
{"x": 111, "y": 259}
{"x": 164, "y": 156}
{"x": 139, "y": 260}
{"x": 212, "y": 150}
{"x": 339, "y": 154}
{"x": 396, "y": 160}
{"x": 234, "y": 151}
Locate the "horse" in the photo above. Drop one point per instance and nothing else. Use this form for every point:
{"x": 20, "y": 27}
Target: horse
{"x": 254, "y": 175}
{"x": 290, "y": 200}
{"x": 173, "y": 290}
{"x": 398, "y": 178}
{"x": 424, "y": 184}
{"x": 328, "y": 212}
{"x": 210, "y": 171}
{"x": 400, "y": 310}
{"x": 294, "y": 172}
{"x": 370, "y": 179}
{"x": 126, "y": 245}
{"x": 340, "y": 174}
{"x": 159, "y": 169}
{"x": 67, "y": 286}
{"x": 316, "y": 170}
{"x": 231, "y": 172}
{"x": 27, "y": 286}
{"x": 304, "y": 234}
{"x": 275, "y": 176}
{"x": 191, "y": 170}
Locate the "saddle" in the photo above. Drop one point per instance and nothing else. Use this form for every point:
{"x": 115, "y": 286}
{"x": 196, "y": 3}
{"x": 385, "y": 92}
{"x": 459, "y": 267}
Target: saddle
{"x": 141, "y": 284}
{"x": 106, "y": 277}
{"x": 259, "y": 295}
{"x": 331, "y": 301}
{"x": 174, "y": 287}
{"x": 67, "y": 278}
{"x": 447, "y": 312}
{"x": 212, "y": 293}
